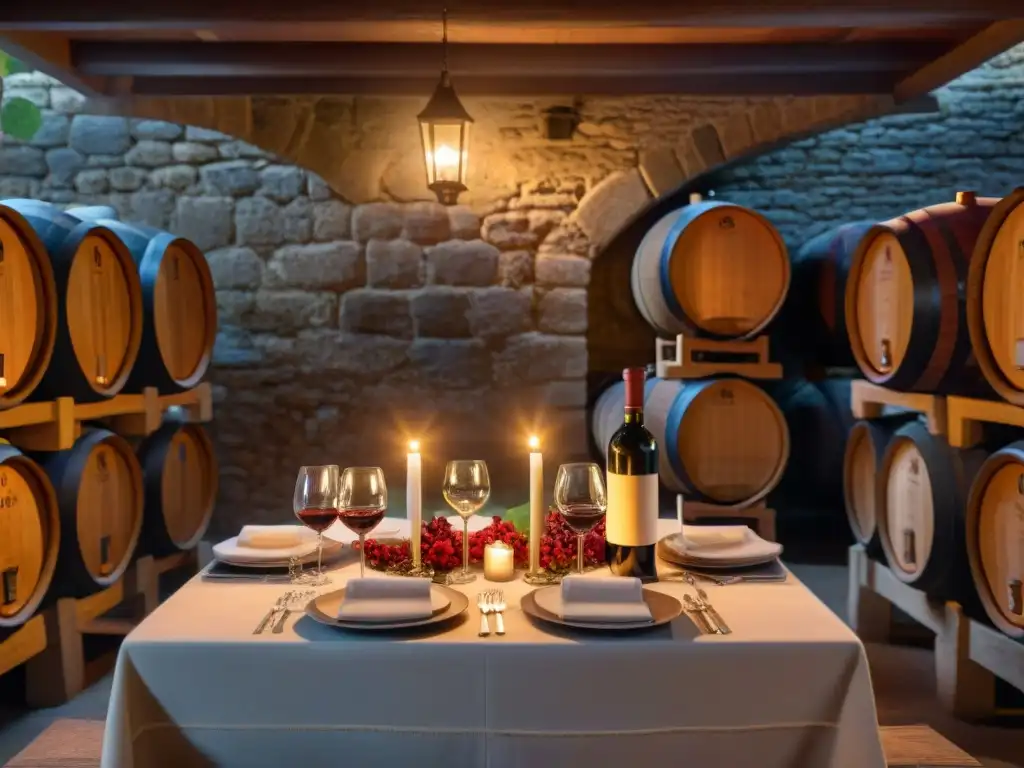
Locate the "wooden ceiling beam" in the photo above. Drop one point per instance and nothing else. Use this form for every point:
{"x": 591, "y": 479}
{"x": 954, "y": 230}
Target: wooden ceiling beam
{"x": 514, "y": 86}
{"x": 380, "y": 61}
{"x": 64, "y": 15}
{"x": 973, "y": 52}
{"x": 50, "y": 54}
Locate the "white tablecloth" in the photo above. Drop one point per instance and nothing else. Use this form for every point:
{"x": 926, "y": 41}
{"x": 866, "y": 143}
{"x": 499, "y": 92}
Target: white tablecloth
{"x": 789, "y": 687}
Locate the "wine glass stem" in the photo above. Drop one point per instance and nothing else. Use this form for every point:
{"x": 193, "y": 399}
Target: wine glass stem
{"x": 465, "y": 545}
{"x": 319, "y": 554}
{"x": 579, "y": 552}
{"x": 362, "y": 554}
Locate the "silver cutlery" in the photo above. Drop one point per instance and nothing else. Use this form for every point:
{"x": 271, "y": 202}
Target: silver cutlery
{"x": 499, "y": 610}
{"x": 297, "y": 600}
{"x": 281, "y": 602}
{"x": 483, "y": 603}
{"x": 699, "y": 617}
{"x": 702, "y": 596}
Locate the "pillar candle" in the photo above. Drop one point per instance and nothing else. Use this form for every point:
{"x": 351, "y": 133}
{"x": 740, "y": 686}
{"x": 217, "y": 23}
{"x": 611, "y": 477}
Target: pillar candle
{"x": 536, "y": 503}
{"x": 499, "y": 562}
{"x": 414, "y": 500}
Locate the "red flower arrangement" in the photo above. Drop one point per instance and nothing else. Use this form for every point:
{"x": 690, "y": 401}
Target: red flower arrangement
{"x": 441, "y": 546}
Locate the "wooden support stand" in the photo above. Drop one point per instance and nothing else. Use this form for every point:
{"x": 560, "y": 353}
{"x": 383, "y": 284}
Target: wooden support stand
{"x": 762, "y": 517}
{"x": 55, "y": 425}
{"x": 690, "y": 358}
{"x": 24, "y": 643}
{"x": 61, "y": 671}
{"x": 967, "y": 417}
{"x": 968, "y": 655}
{"x": 870, "y": 401}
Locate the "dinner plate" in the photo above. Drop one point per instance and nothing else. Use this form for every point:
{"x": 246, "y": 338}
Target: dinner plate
{"x": 751, "y": 549}
{"x": 664, "y": 608}
{"x": 324, "y": 609}
{"x": 669, "y": 550}
{"x": 245, "y": 557}
{"x": 331, "y": 555}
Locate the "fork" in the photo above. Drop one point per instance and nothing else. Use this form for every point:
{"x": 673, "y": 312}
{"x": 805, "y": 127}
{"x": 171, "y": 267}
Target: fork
{"x": 295, "y": 600}
{"x": 483, "y": 602}
{"x": 281, "y": 602}
{"x": 499, "y": 607}
{"x": 703, "y": 597}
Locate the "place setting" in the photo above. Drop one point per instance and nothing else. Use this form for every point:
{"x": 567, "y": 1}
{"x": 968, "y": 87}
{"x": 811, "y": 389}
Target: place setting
{"x": 723, "y": 554}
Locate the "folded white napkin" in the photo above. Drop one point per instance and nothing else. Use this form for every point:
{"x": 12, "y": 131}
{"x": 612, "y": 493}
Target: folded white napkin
{"x": 697, "y": 536}
{"x": 274, "y": 536}
{"x": 384, "y": 599}
{"x": 610, "y": 599}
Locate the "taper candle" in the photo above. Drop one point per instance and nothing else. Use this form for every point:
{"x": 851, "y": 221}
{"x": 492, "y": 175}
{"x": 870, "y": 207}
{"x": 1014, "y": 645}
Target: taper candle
{"x": 536, "y": 503}
{"x": 414, "y": 499}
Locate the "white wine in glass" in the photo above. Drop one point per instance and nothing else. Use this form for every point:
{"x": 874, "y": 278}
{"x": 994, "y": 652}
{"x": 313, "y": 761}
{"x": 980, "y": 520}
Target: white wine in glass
{"x": 467, "y": 487}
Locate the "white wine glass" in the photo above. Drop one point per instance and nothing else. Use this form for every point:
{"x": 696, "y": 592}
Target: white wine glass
{"x": 363, "y": 502}
{"x": 316, "y": 505}
{"x": 467, "y": 487}
{"x": 581, "y": 498}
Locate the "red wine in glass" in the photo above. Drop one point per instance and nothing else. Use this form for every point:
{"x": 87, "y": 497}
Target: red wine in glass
{"x": 318, "y": 519}
{"x": 581, "y": 518}
{"x": 361, "y": 520}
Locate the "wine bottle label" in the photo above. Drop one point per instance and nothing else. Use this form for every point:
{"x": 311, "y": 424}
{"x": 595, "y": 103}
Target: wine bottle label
{"x": 632, "y": 519}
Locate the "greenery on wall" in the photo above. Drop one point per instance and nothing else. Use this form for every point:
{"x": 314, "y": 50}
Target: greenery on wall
{"x": 19, "y": 117}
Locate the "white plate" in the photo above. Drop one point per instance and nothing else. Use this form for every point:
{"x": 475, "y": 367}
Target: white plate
{"x": 676, "y": 558}
{"x": 229, "y": 552}
{"x": 753, "y": 548}
{"x": 332, "y": 552}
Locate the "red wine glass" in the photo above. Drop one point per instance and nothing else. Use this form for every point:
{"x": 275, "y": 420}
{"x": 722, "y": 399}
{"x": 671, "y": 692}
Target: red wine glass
{"x": 363, "y": 502}
{"x": 581, "y": 498}
{"x": 316, "y": 505}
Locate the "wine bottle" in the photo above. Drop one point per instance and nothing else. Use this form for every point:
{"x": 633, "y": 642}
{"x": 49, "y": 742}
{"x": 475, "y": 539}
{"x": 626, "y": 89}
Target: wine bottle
{"x": 631, "y": 525}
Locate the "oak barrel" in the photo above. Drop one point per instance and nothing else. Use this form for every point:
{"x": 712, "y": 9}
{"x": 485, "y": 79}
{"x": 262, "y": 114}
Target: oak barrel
{"x": 99, "y": 489}
{"x": 905, "y": 305}
{"x": 179, "y": 306}
{"x": 995, "y": 285}
{"x": 179, "y": 470}
{"x": 922, "y": 491}
{"x": 995, "y": 538}
{"x": 29, "y": 536}
{"x": 815, "y": 312}
{"x": 28, "y": 308}
{"x": 720, "y": 440}
{"x": 818, "y": 418}
{"x": 710, "y": 269}
{"x": 99, "y": 305}
{"x": 865, "y": 448}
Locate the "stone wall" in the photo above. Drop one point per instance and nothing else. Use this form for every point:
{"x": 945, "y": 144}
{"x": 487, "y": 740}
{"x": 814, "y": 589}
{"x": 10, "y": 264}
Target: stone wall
{"x": 882, "y": 168}
{"x": 357, "y": 314}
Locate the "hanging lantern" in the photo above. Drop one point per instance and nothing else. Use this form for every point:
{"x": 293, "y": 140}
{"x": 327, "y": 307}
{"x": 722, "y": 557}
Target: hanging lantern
{"x": 444, "y": 130}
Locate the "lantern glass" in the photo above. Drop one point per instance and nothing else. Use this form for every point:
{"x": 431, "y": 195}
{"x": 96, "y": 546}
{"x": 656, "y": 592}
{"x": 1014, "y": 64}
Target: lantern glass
{"x": 446, "y": 151}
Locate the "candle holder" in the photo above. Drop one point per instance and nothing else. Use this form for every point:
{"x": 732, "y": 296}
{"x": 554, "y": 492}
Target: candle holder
{"x": 499, "y": 562}
{"x": 422, "y": 571}
{"x": 542, "y": 578}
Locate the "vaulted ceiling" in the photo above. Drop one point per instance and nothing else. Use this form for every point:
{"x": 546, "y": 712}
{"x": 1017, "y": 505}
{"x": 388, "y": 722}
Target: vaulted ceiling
{"x": 717, "y": 47}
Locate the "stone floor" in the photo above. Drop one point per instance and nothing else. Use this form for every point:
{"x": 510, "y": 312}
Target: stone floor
{"x": 903, "y": 680}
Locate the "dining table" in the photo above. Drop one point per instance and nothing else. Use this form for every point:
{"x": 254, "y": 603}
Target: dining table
{"x": 789, "y": 686}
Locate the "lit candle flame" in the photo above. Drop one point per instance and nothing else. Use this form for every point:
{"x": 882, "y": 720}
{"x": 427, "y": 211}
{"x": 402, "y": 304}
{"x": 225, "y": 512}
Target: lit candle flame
{"x": 534, "y": 442}
{"x": 414, "y": 446}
